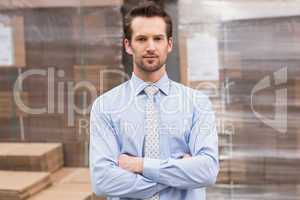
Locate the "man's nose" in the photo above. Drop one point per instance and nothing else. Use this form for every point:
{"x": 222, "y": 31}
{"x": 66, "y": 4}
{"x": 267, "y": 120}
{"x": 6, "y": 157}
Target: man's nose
{"x": 151, "y": 45}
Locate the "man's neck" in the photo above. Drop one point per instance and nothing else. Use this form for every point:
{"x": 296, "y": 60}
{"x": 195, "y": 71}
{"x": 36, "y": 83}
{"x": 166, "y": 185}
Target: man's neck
{"x": 150, "y": 76}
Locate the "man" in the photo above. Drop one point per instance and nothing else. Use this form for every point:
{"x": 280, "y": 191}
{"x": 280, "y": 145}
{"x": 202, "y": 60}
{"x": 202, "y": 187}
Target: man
{"x": 152, "y": 138}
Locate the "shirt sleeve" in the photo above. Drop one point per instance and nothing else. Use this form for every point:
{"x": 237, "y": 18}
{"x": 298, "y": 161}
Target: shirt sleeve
{"x": 202, "y": 168}
{"x": 107, "y": 178}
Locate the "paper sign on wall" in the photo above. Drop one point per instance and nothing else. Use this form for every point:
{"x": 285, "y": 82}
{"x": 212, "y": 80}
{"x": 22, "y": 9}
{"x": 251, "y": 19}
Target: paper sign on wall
{"x": 6, "y": 46}
{"x": 203, "y": 63}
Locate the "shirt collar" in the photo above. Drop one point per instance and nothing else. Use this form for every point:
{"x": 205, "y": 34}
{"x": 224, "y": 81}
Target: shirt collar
{"x": 139, "y": 85}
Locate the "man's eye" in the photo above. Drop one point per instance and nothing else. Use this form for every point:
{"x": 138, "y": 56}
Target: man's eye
{"x": 157, "y": 39}
{"x": 142, "y": 39}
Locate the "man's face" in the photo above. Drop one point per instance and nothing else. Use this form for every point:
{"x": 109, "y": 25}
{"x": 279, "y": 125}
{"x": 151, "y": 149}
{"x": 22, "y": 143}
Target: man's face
{"x": 149, "y": 44}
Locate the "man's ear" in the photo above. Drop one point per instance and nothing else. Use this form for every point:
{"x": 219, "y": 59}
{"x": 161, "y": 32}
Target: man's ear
{"x": 127, "y": 46}
{"x": 170, "y": 44}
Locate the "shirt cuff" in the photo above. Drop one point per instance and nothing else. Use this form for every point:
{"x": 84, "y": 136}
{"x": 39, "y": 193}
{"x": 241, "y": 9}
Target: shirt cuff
{"x": 151, "y": 169}
{"x": 160, "y": 187}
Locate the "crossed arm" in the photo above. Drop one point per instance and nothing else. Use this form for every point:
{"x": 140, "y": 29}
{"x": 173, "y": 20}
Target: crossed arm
{"x": 120, "y": 175}
{"x": 135, "y": 164}
{"x": 107, "y": 178}
{"x": 200, "y": 169}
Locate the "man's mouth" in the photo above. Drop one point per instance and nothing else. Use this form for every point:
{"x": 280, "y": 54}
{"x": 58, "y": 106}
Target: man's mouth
{"x": 150, "y": 56}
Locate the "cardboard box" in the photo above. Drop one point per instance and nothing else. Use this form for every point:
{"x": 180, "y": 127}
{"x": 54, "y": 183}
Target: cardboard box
{"x": 15, "y": 4}
{"x": 98, "y": 37}
{"x": 21, "y": 185}
{"x": 297, "y": 92}
{"x": 9, "y": 107}
{"x": 100, "y": 77}
{"x": 69, "y": 183}
{"x": 31, "y": 156}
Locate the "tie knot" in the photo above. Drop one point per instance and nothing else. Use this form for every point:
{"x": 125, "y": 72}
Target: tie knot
{"x": 151, "y": 90}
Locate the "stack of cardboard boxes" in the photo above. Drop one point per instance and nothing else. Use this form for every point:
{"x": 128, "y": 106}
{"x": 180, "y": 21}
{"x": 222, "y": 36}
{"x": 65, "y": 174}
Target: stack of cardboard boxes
{"x": 258, "y": 66}
{"x": 268, "y": 135}
{"x": 72, "y": 54}
{"x": 35, "y": 171}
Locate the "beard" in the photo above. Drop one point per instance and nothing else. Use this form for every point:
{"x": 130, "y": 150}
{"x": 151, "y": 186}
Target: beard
{"x": 150, "y": 64}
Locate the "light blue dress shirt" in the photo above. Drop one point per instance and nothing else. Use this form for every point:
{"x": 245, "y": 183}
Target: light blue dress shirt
{"x": 186, "y": 126}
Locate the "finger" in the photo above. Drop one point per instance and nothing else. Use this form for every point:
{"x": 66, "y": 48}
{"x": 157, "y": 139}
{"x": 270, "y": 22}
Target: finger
{"x": 187, "y": 156}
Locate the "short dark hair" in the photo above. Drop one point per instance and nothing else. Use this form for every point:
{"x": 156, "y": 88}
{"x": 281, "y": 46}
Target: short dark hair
{"x": 146, "y": 9}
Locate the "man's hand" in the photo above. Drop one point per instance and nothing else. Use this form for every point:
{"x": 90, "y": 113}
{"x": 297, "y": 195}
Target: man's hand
{"x": 185, "y": 156}
{"x": 131, "y": 163}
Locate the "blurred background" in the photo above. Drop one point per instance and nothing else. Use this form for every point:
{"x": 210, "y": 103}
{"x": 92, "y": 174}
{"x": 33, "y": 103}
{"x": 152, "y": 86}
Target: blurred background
{"x": 57, "y": 56}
